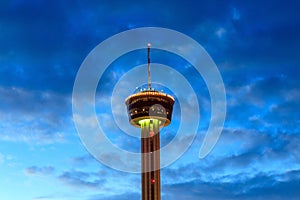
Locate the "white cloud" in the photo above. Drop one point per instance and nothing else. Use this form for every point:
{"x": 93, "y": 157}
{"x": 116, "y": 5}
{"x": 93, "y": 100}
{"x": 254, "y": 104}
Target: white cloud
{"x": 235, "y": 14}
{"x": 220, "y": 32}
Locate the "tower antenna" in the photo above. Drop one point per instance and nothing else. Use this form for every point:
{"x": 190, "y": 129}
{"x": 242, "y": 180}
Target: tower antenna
{"x": 149, "y": 75}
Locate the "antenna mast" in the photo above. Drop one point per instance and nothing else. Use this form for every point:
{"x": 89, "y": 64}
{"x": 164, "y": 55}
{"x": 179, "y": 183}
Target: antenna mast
{"x": 149, "y": 75}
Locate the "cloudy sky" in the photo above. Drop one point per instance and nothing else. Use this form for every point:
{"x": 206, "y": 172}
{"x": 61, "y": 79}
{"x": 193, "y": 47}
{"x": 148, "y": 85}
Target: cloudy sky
{"x": 255, "y": 45}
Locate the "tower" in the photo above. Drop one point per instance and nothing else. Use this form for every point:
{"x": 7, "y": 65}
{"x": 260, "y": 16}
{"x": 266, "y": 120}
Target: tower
{"x": 150, "y": 110}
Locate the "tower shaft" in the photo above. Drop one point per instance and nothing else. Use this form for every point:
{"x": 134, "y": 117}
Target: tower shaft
{"x": 150, "y": 148}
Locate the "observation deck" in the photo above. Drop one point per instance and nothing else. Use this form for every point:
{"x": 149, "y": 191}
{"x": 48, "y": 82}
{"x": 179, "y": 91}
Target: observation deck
{"x": 149, "y": 104}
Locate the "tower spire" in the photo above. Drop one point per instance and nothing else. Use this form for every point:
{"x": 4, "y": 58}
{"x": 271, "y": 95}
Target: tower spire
{"x": 149, "y": 75}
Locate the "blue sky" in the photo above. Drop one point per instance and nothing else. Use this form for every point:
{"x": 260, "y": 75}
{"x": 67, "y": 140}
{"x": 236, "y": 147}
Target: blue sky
{"x": 255, "y": 45}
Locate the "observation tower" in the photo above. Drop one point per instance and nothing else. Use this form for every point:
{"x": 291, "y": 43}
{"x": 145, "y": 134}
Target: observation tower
{"x": 150, "y": 110}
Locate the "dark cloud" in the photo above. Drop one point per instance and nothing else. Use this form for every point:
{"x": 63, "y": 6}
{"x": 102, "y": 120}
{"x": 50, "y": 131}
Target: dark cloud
{"x": 30, "y": 116}
{"x": 264, "y": 35}
{"x": 83, "y": 160}
{"x": 35, "y": 170}
{"x": 124, "y": 196}
{"x": 268, "y": 103}
{"x": 103, "y": 184}
{"x": 285, "y": 114}
{"x": 259, "y": 187}
{"x": 41, "y": 48}
{"x": 254, "y": 150}
{"x": 245, "y": 164}
{"x": 22, "y": 102}
{"x": 82, "y": 179}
